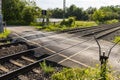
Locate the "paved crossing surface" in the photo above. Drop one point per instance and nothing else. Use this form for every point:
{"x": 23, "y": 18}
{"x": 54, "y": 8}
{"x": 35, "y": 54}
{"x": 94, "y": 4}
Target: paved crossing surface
{"x": 70, "y": 50}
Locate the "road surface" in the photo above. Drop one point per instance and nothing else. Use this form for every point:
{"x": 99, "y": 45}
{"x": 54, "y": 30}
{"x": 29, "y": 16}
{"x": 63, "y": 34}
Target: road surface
{"x": 71, "y": 51}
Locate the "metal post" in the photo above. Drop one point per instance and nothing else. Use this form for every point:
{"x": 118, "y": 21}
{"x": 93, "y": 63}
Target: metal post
{"x": 44, "y": 13}
{"x": 64, "y": 7}
{"x": 104, "y": 59}
{"x": 1, "y": 26}
{"x": 43, "y": 21}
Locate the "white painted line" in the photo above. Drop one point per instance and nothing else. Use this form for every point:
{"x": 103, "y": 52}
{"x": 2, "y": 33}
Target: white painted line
{"x": 36, "y": 44}
{"x": 58, "y": 52}
{"x": 73, "y": 60}
{"x": 76, "y": 53}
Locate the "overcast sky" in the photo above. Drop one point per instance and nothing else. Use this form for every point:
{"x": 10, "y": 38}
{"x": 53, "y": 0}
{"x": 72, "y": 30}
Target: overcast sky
{"x": 45, "y": 4}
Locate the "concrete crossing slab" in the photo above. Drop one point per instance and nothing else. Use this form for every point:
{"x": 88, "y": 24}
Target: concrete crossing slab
{"x": 84, "y": 53}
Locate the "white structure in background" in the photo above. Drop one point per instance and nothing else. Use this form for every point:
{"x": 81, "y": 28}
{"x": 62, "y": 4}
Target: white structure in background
{"x": 51, "y": 20}
{"x": 1, "y": 26}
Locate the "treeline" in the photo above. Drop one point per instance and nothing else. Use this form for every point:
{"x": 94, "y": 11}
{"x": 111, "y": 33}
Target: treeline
{"x": 20, "y": 12}
{"x": 77, "y": 12}
{"x": 92, "y": 14}
{"x": 25, "y": 11}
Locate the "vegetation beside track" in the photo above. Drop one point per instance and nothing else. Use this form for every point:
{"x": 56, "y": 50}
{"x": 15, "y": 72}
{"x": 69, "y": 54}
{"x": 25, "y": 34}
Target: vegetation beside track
{"x": 69, "y": 23}
{"x": 117, "y": 39}
{"x": 78, "y": 73}
{"x": 66, "y": 25}
{"x": 4, "y": 34}
{"x": 26, "y": 12}
{"x": 47, "y": 69}
{"x": 111, "y": 21}
{"x": 85, "y": 23}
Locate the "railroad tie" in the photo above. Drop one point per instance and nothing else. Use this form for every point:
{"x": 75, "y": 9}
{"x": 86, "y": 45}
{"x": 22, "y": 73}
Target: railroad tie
{"x": 4, "y": 69}
{"x": 3, "y": 48}
{"x": 22, "y": 77}
{"x": 16, "y": 63}
{"x": 28, "y": 59}
{"x": 31, "y": 60}
{"x": 36, "y": 71}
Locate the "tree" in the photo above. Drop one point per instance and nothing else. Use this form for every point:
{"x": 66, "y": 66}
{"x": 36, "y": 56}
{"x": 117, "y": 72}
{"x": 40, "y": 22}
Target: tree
{"x": 90, "y": 12}
{"x": 20, "y": 11}
{"x": 12, "y": 9}
{"x": 76, "y": 12}
{"x": 98, "y": 15}
{"x": 31, "y": 13}
{"x": 57, "y": 13}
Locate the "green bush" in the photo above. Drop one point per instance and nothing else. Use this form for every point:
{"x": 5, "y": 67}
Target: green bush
{"x": 81, "y": 74}
{"x": 70, "y": 22}
{"x": 4, "y": 34}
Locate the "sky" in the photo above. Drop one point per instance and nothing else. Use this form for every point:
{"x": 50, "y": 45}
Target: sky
{"x": 45, "y": 4}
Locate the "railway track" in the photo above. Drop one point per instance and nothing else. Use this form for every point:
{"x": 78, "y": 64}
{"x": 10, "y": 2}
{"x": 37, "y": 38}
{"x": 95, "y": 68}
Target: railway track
{"x": 18, "y": 65}
{"x": 37, "y": 73}
{"x": 99, "y": 31}
{"x": 14, "y": 64}
{"x": 5, "y": 41}
{"x": 102, "y": 32}
{"x": 77, "y": 33}
{"x": 13, "y": 48}
{"x": 89, "y": 28}
{"x": 24, "y": 60}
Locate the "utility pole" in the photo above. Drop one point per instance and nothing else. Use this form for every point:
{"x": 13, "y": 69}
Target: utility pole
{"x": 64, "y": 8}
{"x": 1, "y": 26}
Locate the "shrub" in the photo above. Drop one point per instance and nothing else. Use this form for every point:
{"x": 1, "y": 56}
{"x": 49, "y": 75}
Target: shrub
{"x": 4, "y": 34}
{"x": 81, "y": 74}
{"x": 70, "y": 22}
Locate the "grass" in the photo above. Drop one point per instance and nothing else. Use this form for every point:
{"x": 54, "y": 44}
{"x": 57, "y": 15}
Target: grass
{"x": 4, "y": 34}
{"x": 78, "y": 73}
{"x": 58, "y": 27}
{"x": 47, "y": 69}
{"x": 112, "y": 21}
{"x": 117, "y": 38}
{"x": 85, "y": 23}
{"x": 81, "y": 74}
